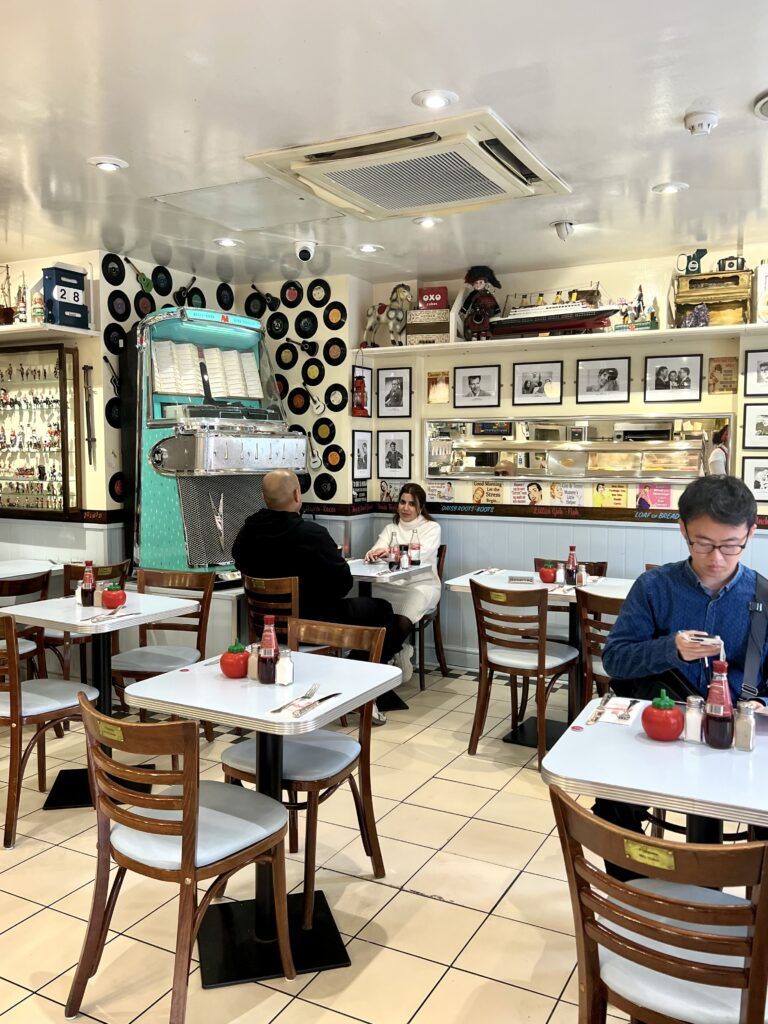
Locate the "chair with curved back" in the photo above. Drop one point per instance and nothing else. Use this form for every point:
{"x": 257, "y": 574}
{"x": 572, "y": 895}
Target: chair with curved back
{"x": 594, "y": 631}
{"x": 278, "y": 597}
{"x": 15, "y": 593}
{"x": 432, "y": 616}
{"x": 558, "y": 630}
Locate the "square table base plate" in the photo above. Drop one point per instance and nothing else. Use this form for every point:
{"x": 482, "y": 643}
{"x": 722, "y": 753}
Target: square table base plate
{"x": 71, "y": 789}
{"x": 526, "y": 734}
{"x": 230, "y": 953}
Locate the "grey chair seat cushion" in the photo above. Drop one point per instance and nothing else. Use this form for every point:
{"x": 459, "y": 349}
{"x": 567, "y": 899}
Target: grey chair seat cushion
{"x": 316, "y": 755}
{"x": 43, "y": 696}
{"x": 556, "y": 655}
{"x": 230, "y": 819}
{"x": 154, "y": 659}
{"x": 25, "y": 646}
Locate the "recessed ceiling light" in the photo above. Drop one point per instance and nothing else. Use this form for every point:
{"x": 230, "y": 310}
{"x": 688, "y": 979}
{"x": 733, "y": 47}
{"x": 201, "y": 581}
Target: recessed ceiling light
{"x": 761, "y": 106}
{"x": 107, "y": 163}
{"x": 668, "y": 188}
{"x": 228, "y": 243}
{"x": 434, "y": 99}
{"x": 369, "y": 247}
{"x": 427, "y": 222}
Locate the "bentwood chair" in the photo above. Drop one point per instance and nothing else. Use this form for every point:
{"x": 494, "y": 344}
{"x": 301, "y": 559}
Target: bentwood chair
{"x": 594, "y": 631}
{"x": 317, "y": 763}
{"x": 517, "y": 644}
{"x": 432, "y": 616}
{"x": 670, "y": 946}
{"x": 22, "y": 591}
{"x": 558, "y": 629}
{"x": 182, "y": 830}
{"x": 42, "y": 703}
{"x": 278, "y": 597}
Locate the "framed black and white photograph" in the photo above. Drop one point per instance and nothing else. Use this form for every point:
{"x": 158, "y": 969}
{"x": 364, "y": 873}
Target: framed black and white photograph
{"x": 393, "y": 451}
{"x": 362, "y": 454}
{"x": 602, "y": 380}
{"x": 393, "y": 392}
{"x": 756, "y": 372}
{"x": 754, "y": 472}
{"x": 673, "y": 378}
{"x": 362, "y": 391}
{"x": 755, "y": 427}
{"x": 476, "y": 386}
{"x": 537, "y": 383}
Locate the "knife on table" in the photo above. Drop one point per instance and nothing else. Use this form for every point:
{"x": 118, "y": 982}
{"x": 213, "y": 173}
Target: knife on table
{"x": 308, "y": 707}
{"x": 599, "y": 711}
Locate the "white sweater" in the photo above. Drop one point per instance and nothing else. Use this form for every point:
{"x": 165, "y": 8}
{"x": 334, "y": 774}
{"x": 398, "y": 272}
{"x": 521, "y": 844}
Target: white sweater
{"x": 413, "y": 598}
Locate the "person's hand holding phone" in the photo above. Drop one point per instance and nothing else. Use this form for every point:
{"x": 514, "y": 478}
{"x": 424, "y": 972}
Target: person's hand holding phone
{"x": 693, "y": 644}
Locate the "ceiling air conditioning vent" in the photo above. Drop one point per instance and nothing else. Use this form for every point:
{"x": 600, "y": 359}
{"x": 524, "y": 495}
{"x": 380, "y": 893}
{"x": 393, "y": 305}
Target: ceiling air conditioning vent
{"x": 448, "y": 166}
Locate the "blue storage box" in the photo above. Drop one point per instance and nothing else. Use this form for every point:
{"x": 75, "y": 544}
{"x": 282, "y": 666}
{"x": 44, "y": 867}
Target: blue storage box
{"x": 64, "y": 295}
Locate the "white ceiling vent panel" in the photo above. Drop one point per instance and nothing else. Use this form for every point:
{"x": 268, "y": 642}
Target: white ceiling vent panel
{"x": 445, "y": 166}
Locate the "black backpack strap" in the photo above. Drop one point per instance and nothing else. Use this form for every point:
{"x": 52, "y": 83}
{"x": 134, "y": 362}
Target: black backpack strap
{"x": 758, "y": 628}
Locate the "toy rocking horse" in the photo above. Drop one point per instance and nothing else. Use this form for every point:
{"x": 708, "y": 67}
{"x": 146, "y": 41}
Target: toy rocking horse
{"x": 394, "y": 314}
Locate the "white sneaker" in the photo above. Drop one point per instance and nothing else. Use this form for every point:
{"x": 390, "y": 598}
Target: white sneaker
{"x": 378, "y": 717}
{"x": 403, "y": 661}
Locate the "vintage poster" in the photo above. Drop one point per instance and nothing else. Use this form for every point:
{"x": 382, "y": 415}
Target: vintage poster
{"x": 565, "y": 493}
{"x": 438, "y": 388}
{"x": 531, "y": 492}
{"x": 653, "y": 496}
{"x": 440, "y": 490}
{"x": 608, "y": 495}
{"x": 486, "y": 493}
{"x": 723, "y": 375}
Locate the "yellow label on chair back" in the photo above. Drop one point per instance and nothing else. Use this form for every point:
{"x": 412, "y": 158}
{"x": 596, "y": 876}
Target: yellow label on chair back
{"x": 110, "y": 731}
{"x": 651, "y": 855}
{"x": 498, "y": 595}
{"x": 257, "y": 585}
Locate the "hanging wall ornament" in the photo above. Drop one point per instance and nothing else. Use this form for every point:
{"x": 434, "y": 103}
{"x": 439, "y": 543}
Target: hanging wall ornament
{"x": 324, "y": 431}
{"x": 281, "y": 383}
{"x": 334, "y": 351}
{"x": 225, "y": 296}
{"x": 255, "y": 305}
{"x": 162, "y": 280}
{"x": 306, "y": 324}
{"x": 114, "y": 339}
{"x": 312, "y": 372}
{"x": 112, "y": 413}
{"x": 144, "y": 304}
{"x": 286, "y": 356}
{"x": 291, "y": 294}
{"x": 298, "y": 401}
{"x": 325, "y": 486}
{"x": 113, "y": 269}
{"x": 336, "y": 397}
{"x": 335, "y": 315}
{"x": 277, "y": 326}
{"x": 318, "y": 292}
{"x": 195, "y": 299}
{"x": 119, "y": 306}
{"x": 334, "y": 458}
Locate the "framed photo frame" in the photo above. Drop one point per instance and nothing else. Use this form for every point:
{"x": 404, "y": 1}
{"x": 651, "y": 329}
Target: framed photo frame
{"x": 393, "y": 454}
{"x": 362, "y": 454}
{"x": 362, "y": 391}
{"x": 603, "y": 380}
{"x": 672, "y": 379}
{"x": 754, "y": 472}
{"x": 438, "y": 387}
{"x": 755, "y": 426}
{"x": 756, "y": 373}
{"x": 393, "y": 392}
{"x": 476, "y": 387}
{"x": 537, "y": 383}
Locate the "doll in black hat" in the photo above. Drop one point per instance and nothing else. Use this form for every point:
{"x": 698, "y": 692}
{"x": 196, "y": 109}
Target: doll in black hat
{"x": 480, "y": 305}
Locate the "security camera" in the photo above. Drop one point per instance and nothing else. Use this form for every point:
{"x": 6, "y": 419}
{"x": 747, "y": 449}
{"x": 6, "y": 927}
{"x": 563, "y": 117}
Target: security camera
{"x": 564, "y": 229}
{"x": 305, "y": 251}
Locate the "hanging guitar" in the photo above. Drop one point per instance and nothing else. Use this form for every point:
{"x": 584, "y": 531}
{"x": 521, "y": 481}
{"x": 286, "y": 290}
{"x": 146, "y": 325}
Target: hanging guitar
{"x": 317, "y": 407}
{"x": 309, "y": 348}
{"x": 180, "y": 295}
{"x": 315, "y": 461}
{"x": 145, "y": 283}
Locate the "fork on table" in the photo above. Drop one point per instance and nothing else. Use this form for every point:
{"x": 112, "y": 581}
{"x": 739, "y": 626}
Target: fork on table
{"x": 306, "y": 696}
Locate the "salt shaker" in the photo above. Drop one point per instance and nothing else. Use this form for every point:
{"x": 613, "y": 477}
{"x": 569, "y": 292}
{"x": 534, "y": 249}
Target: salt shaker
{"x": 744, "y": 726}
{"x": 560, "y": 573}
{"x": 581, "y": 576}
{"x": 694, "y": 719}
{"x": 284, "y": 668}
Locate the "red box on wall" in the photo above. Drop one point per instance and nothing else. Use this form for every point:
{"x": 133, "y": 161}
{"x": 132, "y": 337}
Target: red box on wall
{"x": 433, "y": 297}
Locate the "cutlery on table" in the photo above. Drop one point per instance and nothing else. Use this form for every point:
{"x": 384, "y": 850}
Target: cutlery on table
{"x": 116, "y": 613}
{"x": 306, "y": 696}
{"x": 599, "y": 711}
{"x": 309, "y": 707}
{"x": 624, "y": 716}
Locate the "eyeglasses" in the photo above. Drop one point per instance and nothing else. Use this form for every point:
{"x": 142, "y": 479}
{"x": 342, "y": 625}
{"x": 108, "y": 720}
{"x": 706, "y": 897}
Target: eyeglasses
{"x": 703, "y": 547}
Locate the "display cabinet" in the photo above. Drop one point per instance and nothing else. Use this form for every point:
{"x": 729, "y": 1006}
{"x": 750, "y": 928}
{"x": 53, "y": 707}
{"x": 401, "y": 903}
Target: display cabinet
{"x": 39, "y": 432}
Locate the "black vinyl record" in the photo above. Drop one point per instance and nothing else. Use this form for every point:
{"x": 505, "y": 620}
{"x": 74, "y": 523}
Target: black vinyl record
{"x": 324, "y": 430}
{"x": 162, "y": 280}
{"x": 318, "y": 292}
{"x": 117, "y": 487}
{"x": 281, "y": 383}
{"x": 112, "y": 413}
{"x": 306, "y": 324}
{"x": 255, "y": 305}
{"x": 336, "y": 397}
{"x": 334, "y": 351}
{"x": 113, "y": 269}
{"x": 305, "y": 482}
{"x": 312, "y": 372}
{"x": 225, "y": 296}
{"x": 296, "y": 428}
{"x": 114, "y": 338}
{"x": 298, "y": 401}
{"x": 335, "y": 315}
{"x": 286, "y": 356}
{"x": 325, "y": 486}
{"x": 277, "y": 326}
{"x": 291, "y": 294}
{"x": 334, "y": 458}
{"x": 167, "y": 305}
{"x": 195, "y": 299}
{"x": 144, "y": 304}
{"x": 119, "y": 306}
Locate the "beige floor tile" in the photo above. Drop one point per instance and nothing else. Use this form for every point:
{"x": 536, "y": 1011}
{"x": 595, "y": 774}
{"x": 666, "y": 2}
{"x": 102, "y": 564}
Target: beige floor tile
{"x": 394, "y": 783}
{"x": 421, "y": 825}
{"x": 520, "y": 954}
{"x": 242, "y": 886}
{"x": 138, "y": 897}
{"x": 480, "y": 771}
{"x": 534, "y": 899}
{"x": 49, "y": 876}
{"x": 381, "y": 987}
{"x": 37, "y": 1010}
{"x": 340, "y": 808}
{"x": 85, "y": 842}
{"x": 450, "y": 741}
{"x": 13, "y": 910}
{"x": 498, "y": 707}
{"x": 235, "y": 1004}
{"x": 495, "y": 844}
{"x": 567, "y": 1011}
{"x": 462, "y": 881}
{"x": 424, "y": 927}
{"x": 548, "y": 860}
{"x": 401, "y": 861}
{"x": 354, "y": 901}
{"x": 462, "y": 998}
{"x": 423, "y": 758}
{"x": 40, "y": 948}
{"x": 400, "y": 730}
{"x": 159, "y": 927}
{"x": 10, "y": 995}
{"x": 56, "y": 826}
{"x": 301, "y": 1012}
{"x": 24, "y": 849}
{"x": 330, "y": 840}
{"x": 461, "y": 722}
{"x": 528, "y": 782}
{"x": 455, "y": 797}
{"x": 521, "y": 811}
{"x": 437, "y": 699}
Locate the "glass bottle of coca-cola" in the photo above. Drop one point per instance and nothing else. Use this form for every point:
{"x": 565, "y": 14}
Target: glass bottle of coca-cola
{"x": 88, "y": 586}
{"x": 394, "y": 552}
{"x": 718, "y": 711}
{"x": 415, "y": 548}
{"x": 571, "y": 566}
{"x": 268, "y": 651}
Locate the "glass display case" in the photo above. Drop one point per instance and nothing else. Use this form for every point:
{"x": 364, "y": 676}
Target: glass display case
{"x": 39, "y": 431}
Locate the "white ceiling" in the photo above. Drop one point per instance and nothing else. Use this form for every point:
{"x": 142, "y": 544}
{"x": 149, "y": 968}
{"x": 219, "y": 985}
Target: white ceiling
{"x": 184, "y": 91}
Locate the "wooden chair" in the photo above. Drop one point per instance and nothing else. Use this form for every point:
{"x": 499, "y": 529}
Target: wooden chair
{"x": 558, "y": 628}
{"x": 278, "y": 597}
{"x": 593, "y": 568}
{"x": 594, "y": 632}
{"x": 42, "y": 703}
{"x": 669, "y": 947}
{"x": 61, "y": 643}
{"x": 651, "y": 565}
{"x": 319, "y": 762}
{"x": 31, "y": 648}
{"x": 518, "y": 645}
{"x": 185, "y": 832}
{"x": 432, "y": 616}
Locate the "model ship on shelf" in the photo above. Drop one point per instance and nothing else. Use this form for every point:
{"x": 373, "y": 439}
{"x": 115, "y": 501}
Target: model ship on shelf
{"x": 581, "y": 311}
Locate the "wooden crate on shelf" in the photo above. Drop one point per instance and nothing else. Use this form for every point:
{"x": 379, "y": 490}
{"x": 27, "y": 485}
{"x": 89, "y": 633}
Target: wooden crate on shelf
{"x": 728, "y": 296}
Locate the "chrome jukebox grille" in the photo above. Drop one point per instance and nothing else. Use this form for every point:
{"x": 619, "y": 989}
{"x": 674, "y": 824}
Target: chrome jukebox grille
{"x": 213, "y": 509}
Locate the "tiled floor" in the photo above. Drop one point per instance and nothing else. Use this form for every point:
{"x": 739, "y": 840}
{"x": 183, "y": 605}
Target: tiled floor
{"x": 472, "y": 921}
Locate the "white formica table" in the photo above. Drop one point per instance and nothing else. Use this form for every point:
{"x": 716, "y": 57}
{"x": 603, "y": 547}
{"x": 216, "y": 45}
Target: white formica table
{"x": 236, "y": 941}
{"x": 368, "y": 573}
{"x": 18, "y": 568}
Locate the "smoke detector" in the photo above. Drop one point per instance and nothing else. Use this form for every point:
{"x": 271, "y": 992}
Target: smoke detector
{"x": 761, "y": 106}
{"x": 701, "y": 122}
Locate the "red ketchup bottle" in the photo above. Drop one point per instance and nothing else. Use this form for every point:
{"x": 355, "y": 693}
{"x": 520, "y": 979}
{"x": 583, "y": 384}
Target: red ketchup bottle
{"x": 88, "y": 587}
{"x": 718, "y": 711}
{"x": 268, "y": 651}
{"x": 571, "y": 566}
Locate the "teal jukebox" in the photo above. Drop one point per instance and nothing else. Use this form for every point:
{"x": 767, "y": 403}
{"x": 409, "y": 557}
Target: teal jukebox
{"x": 209, "y": 425}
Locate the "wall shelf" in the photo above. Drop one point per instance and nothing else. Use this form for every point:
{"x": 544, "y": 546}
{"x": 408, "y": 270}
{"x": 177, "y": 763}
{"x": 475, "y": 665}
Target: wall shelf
{"x": 42, "y": 332}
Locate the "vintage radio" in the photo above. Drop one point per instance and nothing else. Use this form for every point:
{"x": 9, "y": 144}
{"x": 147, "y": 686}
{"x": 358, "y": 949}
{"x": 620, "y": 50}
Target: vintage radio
{"x": 727, "y": 296}
{"x": 427, "y": 326}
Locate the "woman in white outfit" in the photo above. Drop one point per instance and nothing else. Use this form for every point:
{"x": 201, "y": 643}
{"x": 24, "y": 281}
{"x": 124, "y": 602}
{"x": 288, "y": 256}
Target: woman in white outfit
{"x": 412, "y": 598}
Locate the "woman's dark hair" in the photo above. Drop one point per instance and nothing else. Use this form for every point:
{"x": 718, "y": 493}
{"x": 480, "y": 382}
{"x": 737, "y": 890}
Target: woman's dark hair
{"x": 416, "y": 491}
{"x": 723, "y": 498}
{"x": 537, "y": 486}
{"x": 718, "y": 435}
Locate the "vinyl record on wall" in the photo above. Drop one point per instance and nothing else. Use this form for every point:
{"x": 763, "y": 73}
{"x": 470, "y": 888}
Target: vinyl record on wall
{"x": 318, "y": 292}
{"x": 195, "y": 299}
{"x": 112, "y": 413}
{"x": 277, "y": 326}
{"x": 335, "y": 315}
{"x": 144, "y": 304}
{"x": 334, "y": 351}
{"x": 291, "y": 294}
{"x": 117, "y": 487}
{"x": 167, "y": 305}
{"x": 119, "y": 306}
{"x": 306, "y": 324}
{"x": 296, "y": 428}
{"x": 281, "y": 383}
{"x": 114, "y": 339}
{"x": 305, "y": 482}
{"x": 336, "y": 397}
{"x": 298, "y": 401}
{"x": 325, "y": 486}
{"x": 255, "y": 305}
{"x": 313, "y": 372}
{"x": 225, "y": 296}
{"x": 324, "y": 430}
{"x": 334, "y": 458}
{"x": 162, "y": 280}
{"x": 286, "y": 356}
{"x": 113, "y": 269}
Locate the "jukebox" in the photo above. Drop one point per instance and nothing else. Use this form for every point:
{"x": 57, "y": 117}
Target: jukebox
{"x": 209, "y": 424}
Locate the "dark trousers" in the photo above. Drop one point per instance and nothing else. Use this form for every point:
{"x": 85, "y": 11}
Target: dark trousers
{"x": 368, "y": 611}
